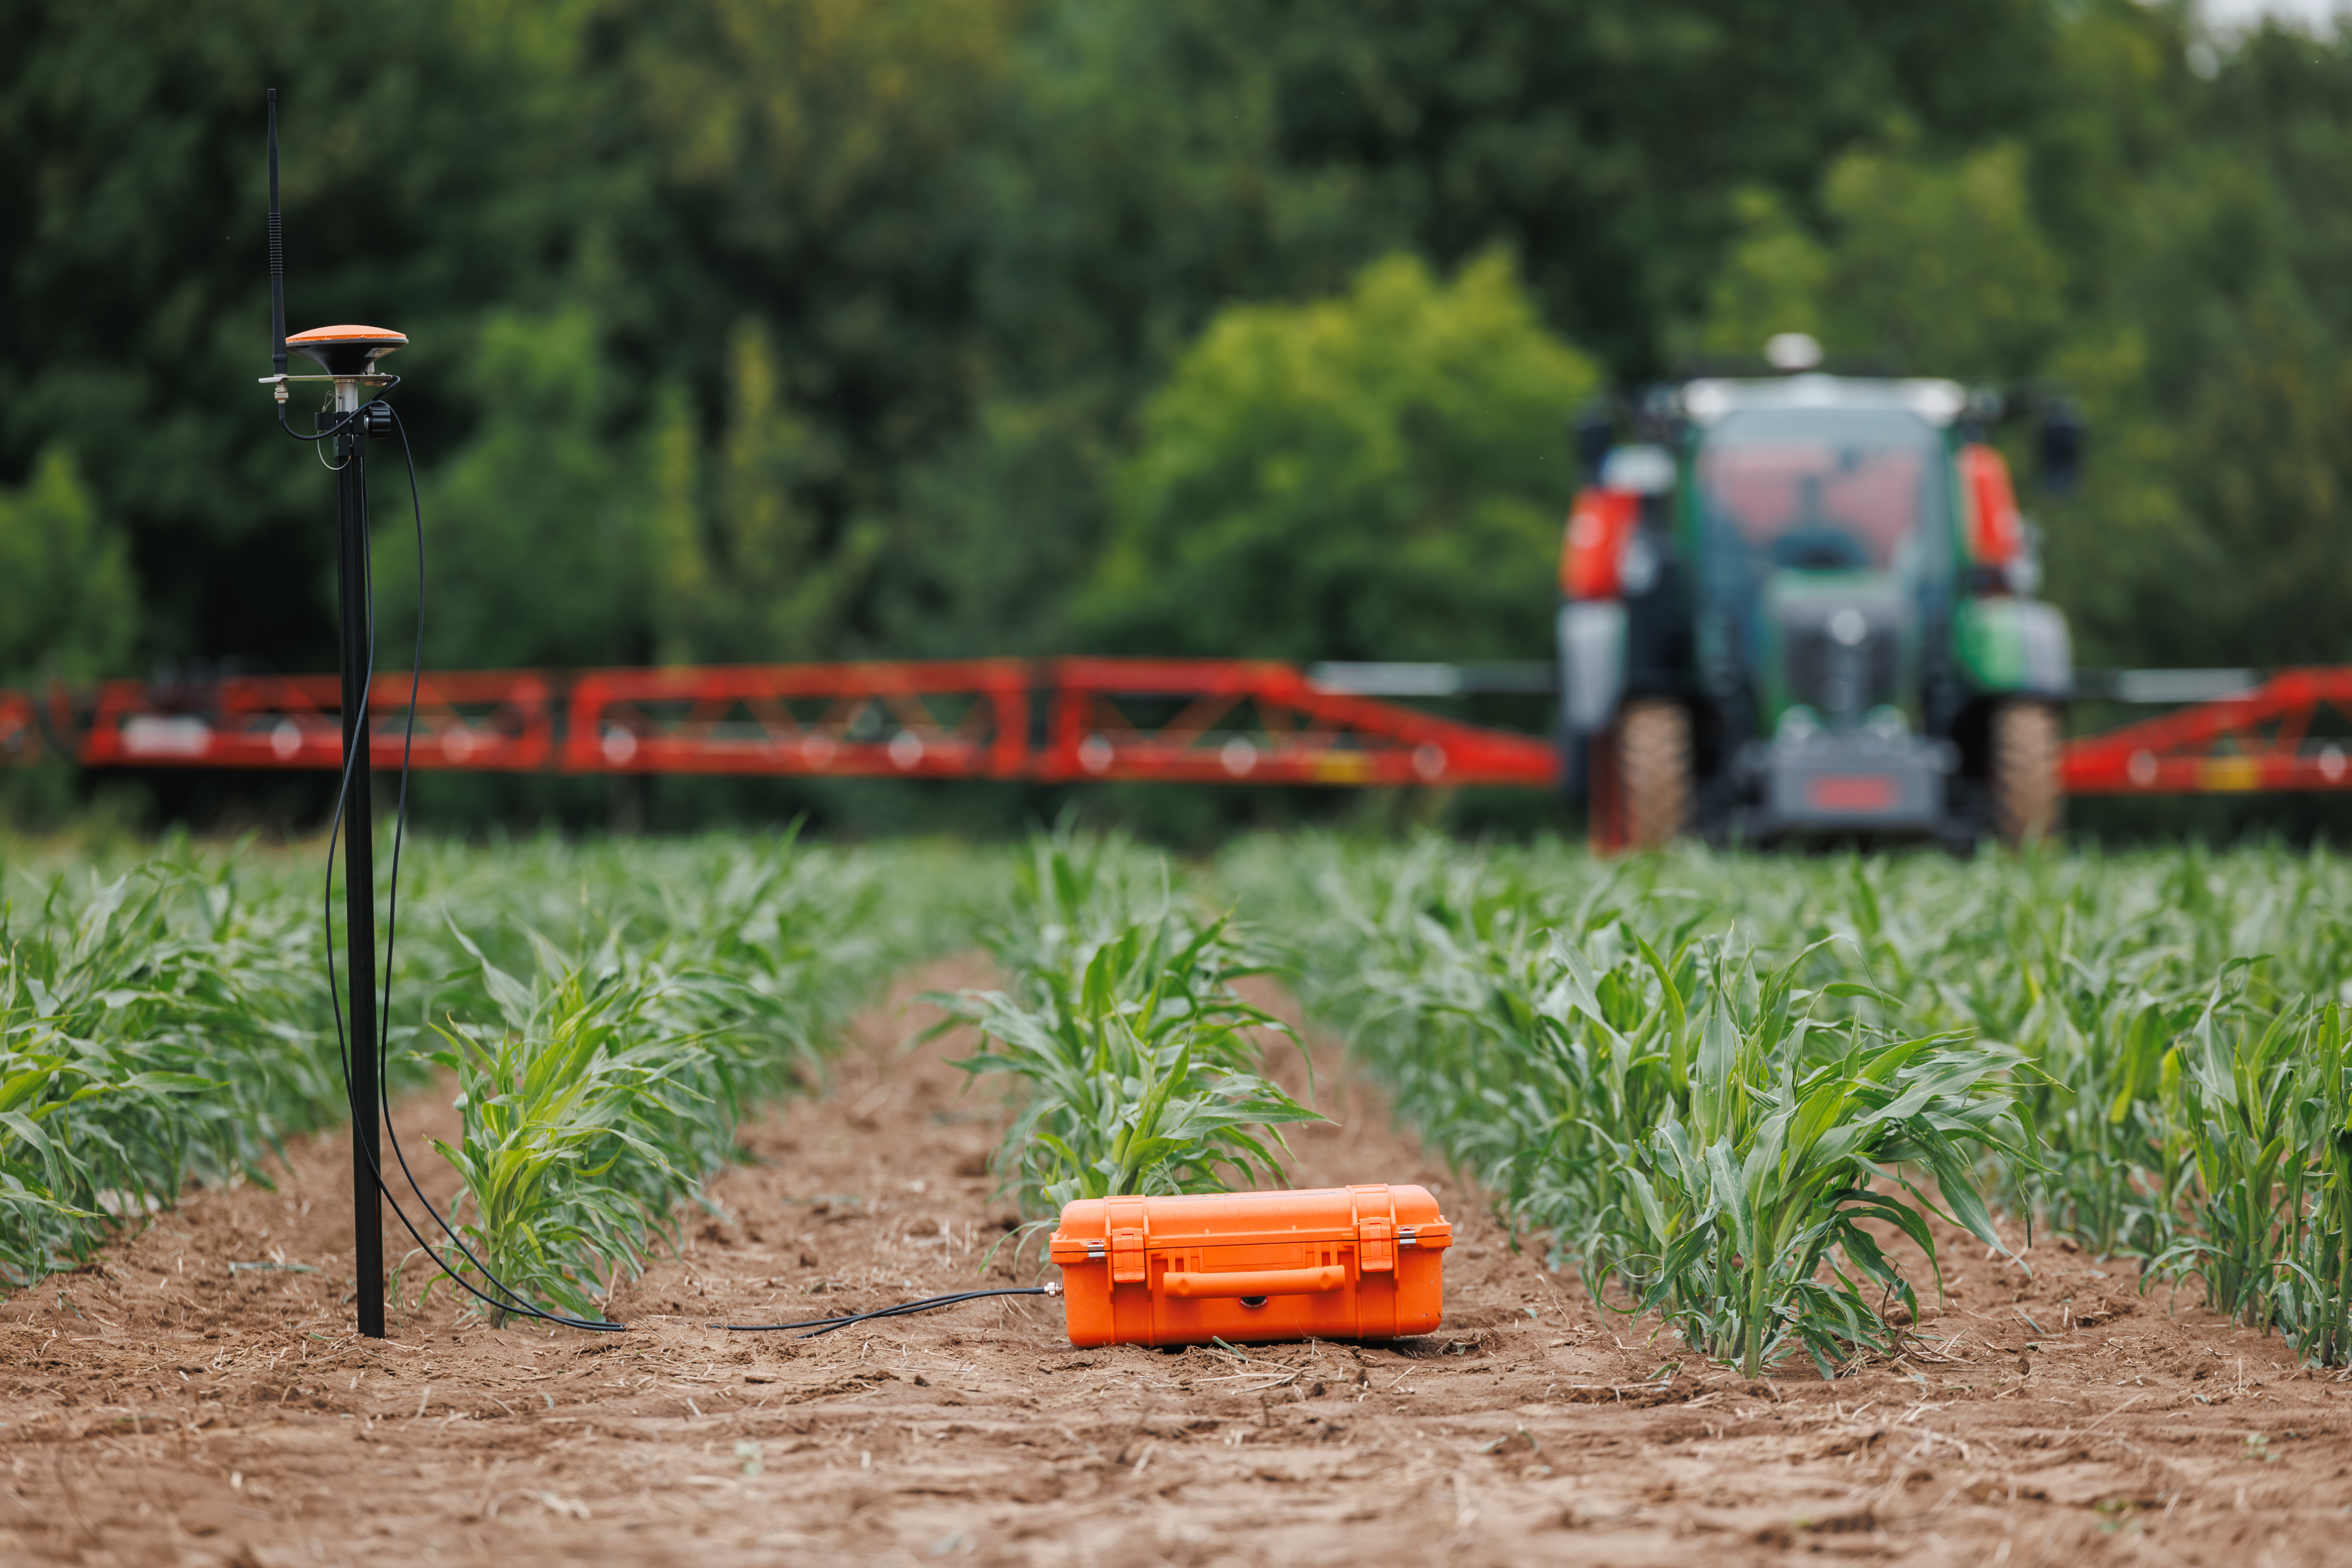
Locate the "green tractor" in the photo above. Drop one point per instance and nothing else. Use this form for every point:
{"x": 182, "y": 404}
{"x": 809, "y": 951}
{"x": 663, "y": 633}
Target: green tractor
{"x": 1800, "y": 606}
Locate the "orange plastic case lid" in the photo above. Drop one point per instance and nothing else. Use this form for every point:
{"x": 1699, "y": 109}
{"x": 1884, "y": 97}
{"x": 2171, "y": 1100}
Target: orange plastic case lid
{"x": 1360, "y": 1262}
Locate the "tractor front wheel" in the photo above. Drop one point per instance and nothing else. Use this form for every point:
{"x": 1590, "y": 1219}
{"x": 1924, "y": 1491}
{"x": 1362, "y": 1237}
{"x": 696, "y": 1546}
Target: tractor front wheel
{"x": 2028, "y": 793}
{"x": 1641, "y": 788}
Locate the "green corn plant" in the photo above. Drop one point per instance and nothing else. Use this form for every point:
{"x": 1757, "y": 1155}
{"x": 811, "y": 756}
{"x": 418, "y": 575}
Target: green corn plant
{"x": 2094, "y": 1013}
{"x": 1071, "y": 893}
{"x": 2229, "y": 1091}
{"x": 2257, "y": 1106}
{"x": 2087, "y": 963}
{"x": 153, "y": 1029}
{"x": 1796, "y": 1128}
{"x": 1112, "y": 1111}
{"x": 1139, "y": 1067}
{"x": 47, "y": 1172}
{"x": 2313, "y": 1295}
{"x": 565, "y": 1179}
{"x": 610, "y": 1087}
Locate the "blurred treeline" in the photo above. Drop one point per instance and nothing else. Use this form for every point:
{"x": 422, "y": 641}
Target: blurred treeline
{"x": 789, "y": 329}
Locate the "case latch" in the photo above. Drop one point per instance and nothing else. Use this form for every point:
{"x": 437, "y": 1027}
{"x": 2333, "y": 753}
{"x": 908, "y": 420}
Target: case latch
{"x": 1375, "y": 1245}
{"x": 1128, "y": 1264}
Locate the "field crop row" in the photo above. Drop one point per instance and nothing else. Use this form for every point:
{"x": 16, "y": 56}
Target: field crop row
{"x": 1692, "y": 1072}
{"x": 1713, "y": 1083}
{"x": 608, "y": 1014}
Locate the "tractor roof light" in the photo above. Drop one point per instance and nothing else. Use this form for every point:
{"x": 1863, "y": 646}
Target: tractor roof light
{"x": 1792, "y": 351}
{"x": 1638, "y": 470}
{"x": 1939, "y": 402}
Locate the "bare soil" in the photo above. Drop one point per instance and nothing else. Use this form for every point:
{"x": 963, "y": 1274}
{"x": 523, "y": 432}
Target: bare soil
{"x": 176, "y": 1403}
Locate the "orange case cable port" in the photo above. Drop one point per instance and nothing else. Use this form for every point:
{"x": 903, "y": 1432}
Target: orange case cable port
{"x": 1335, "y": 1263}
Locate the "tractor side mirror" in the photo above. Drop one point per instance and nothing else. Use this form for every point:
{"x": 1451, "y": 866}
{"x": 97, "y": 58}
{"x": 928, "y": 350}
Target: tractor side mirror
{"x": 1593, "y": 432}
{"x": 2061, "y": 446}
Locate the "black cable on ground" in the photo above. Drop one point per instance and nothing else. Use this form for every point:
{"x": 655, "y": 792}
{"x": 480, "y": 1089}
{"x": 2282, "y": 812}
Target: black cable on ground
{"x": 515, "y": 1304}
{"x": 928, "y": 1303}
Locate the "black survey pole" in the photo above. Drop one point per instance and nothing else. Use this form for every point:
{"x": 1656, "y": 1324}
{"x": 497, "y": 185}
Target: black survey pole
{"x": 347, "y": 356}
{"x": 358, "y": 873}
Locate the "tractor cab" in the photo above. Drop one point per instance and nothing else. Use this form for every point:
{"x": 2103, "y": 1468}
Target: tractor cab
{"x": 1802, "y": 608}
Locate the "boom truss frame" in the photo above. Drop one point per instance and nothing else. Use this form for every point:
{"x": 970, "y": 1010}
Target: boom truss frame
{"x": 1052, "y": 721}
{"x": 2257, "y": 739}
{"x": 1178, "y": 721}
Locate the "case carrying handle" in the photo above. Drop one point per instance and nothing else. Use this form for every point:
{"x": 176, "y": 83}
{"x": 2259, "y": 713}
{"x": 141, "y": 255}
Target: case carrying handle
{"x": 1255, "y": 1282}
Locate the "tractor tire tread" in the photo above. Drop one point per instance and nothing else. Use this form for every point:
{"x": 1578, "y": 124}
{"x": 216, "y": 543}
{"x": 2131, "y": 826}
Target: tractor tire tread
{"x": 1655, "y": 751}
{"x": 2028, "y": 793}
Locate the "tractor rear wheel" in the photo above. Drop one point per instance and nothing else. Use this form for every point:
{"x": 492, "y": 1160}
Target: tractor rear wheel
{"x": 2027, "y": 795}
{"x": 1653, "y": 759}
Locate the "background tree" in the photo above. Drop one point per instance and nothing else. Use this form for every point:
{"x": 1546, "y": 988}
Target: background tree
{"x": 68, "y": 605}
{"x": 1378, "y": 475}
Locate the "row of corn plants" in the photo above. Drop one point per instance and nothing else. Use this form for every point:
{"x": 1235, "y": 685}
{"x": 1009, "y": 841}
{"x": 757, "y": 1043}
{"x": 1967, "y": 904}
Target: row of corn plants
{"x": 2158, "y": 1032}
{"x": 608, "y": 1012}
{"x": 602, "y": 1078}
{"x": 158, "y": 1025}
{"x": 1699, "y": 1074}
{"x": 1132, "y": 1063}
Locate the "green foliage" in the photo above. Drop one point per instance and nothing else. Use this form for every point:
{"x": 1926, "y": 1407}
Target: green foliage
{"x": 68, "y": 605}
{"x": 1379, "y": 475}
{"x": 741, "y": 574}
{"x": 1797, "y": 1130}
{"x": 1139, "y": 1069}
{"x": 2258, "y": 1106}
{"x": 155, "y": 1026}
{"x": 2089, "y": 1042}
{"x": 538, "y": 520}
{"x": 554, "y": 1104}
{"x": 1941, "y": 266}
{"x": 599, "y": 1094}
{"x": 167, "y": 1021}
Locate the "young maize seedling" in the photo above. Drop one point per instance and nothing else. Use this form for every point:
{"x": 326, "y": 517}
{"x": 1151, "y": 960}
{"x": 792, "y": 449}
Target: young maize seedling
{"x": 1139, "y": 1065}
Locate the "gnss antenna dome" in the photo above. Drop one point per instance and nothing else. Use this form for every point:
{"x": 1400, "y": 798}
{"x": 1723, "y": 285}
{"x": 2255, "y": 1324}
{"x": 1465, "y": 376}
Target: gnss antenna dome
{"x": 351, "y": 355}
{"x": 347, "y": 351}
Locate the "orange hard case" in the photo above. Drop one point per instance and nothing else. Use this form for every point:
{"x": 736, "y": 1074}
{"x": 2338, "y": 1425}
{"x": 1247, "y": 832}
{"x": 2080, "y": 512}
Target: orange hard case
{"x": 1334, "y": 1263}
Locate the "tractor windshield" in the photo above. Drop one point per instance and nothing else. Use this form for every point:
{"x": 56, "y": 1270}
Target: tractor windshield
{"x": 1821, "y": 489}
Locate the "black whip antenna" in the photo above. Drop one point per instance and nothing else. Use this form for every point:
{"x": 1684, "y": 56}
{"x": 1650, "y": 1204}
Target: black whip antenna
{"x": 276, "y": 254}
